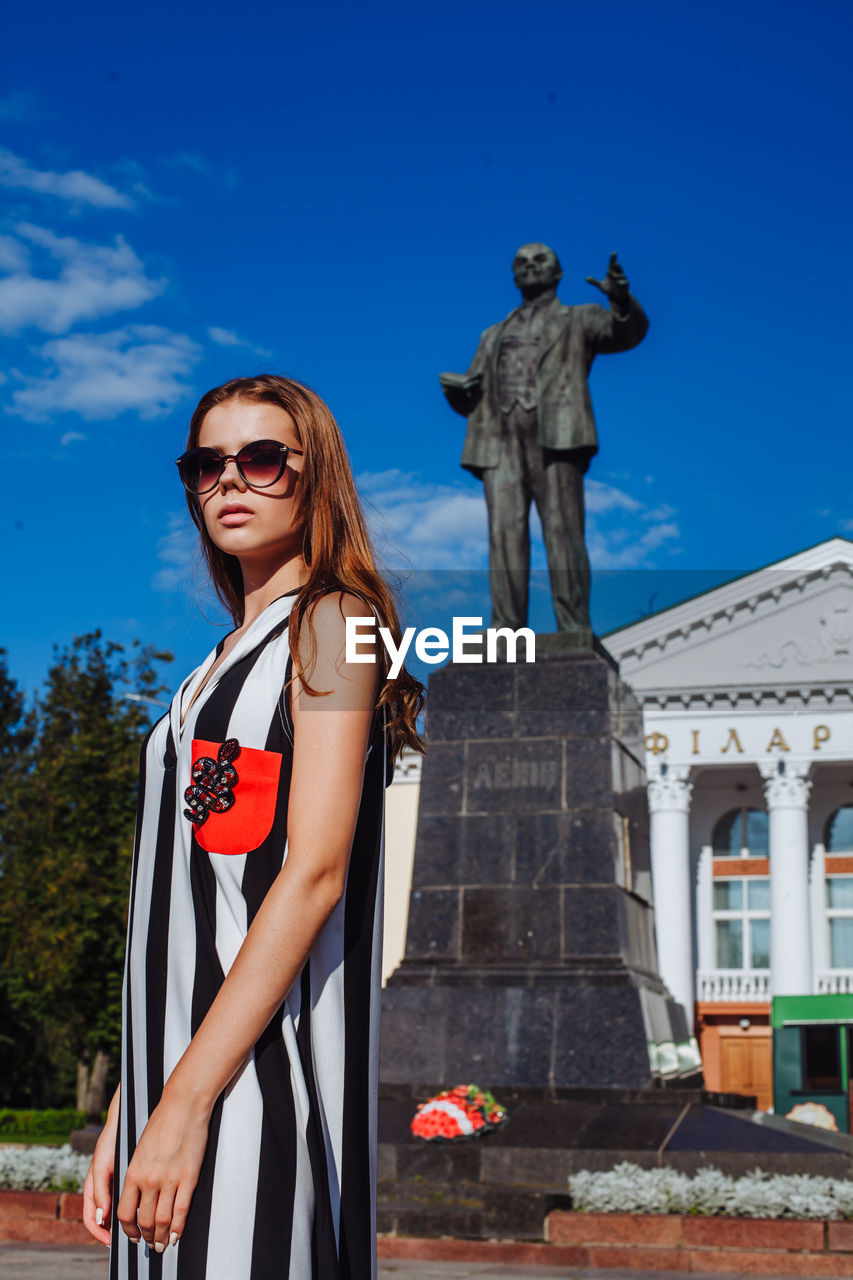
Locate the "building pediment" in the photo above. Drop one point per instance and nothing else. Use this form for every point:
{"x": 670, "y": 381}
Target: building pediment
{"x": 789, "y": 625}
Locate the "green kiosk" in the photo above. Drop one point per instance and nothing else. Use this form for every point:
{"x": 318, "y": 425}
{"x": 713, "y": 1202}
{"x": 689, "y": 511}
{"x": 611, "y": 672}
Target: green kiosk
{"x": 813, "y": 1059}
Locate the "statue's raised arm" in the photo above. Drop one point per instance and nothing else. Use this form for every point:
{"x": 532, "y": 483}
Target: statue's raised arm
{"x": 627, "y": 323}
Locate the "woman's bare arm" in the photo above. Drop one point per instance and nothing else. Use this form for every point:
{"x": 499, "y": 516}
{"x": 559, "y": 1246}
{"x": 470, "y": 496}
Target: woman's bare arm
{"x": 98, "y": 1184}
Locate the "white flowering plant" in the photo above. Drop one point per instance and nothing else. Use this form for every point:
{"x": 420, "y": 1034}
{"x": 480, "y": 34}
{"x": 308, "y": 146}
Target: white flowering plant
{"x": 42, "y": 1169}
{"x": 629, "y": 1189}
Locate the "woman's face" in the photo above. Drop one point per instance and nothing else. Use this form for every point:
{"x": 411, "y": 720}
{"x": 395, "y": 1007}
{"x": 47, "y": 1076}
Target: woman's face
{"x": 255, "y": 525}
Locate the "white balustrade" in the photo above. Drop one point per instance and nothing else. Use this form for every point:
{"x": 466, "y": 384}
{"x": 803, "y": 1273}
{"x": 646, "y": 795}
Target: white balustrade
{"x": 834, "y": 982}
{"x": 724, "y": 985}
{"x": 720, "y": 985}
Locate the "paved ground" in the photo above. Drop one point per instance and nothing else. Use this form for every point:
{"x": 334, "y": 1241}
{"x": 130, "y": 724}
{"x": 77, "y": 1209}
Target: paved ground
{"x": 43, "y": 1262}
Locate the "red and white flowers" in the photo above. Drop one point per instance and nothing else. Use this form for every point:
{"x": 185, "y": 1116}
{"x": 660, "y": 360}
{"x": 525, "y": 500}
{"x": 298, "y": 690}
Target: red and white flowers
{"x": 455, "y": 1114}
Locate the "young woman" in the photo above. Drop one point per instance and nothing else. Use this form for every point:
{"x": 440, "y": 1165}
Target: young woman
{"x": 240, "y": 1144}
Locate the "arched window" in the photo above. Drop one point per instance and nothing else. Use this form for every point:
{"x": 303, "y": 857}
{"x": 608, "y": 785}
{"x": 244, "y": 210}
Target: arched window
{"x": 742, "y": 833}
{"x": 741, "y": 901}
{"x": 838, "y": 837}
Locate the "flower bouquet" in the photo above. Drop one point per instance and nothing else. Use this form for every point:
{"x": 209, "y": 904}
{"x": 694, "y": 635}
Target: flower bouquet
{"x": 456, "y": 1114}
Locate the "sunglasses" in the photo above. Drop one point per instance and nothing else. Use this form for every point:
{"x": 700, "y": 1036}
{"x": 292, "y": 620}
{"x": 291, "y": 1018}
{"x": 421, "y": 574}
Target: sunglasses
{"x": 260, "y": 464}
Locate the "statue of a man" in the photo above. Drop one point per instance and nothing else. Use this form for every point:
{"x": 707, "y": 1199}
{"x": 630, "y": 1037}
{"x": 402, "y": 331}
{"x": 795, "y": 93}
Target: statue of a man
{"x": 531, "y": 432}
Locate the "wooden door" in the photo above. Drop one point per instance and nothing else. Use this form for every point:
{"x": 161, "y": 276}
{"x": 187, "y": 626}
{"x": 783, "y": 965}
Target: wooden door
{"x": 747, "y": 1067}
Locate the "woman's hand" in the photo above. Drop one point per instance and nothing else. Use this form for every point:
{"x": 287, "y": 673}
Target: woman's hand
{"x": 163, "y": 1173}
{"x": 98, "y": 1187}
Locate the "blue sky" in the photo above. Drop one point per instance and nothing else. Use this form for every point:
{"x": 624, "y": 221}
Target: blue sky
{"x": 198, "y": 191}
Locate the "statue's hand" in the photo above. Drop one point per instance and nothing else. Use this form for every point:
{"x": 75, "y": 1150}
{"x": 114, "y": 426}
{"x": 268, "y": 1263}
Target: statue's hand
{"x": 615, "y": 284}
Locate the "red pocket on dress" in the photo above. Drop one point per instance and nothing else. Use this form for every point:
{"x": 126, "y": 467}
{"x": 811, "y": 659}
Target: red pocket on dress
{"x": 248, "y": 822}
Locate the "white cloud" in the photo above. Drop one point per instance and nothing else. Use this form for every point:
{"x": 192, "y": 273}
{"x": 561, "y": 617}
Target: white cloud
{"x": 622, "y": 531}
{"x": 71, "y": 436}
{"x": 228, "y": 338}
{"x": 74, "y": 186}
{"x": 14, "y": 256}
{"x": 138, "y": 369}
{"x": 224, "y": 337}
{"x": 177, "y": 552}
{"x": 662, "y": 512}
{"x": 432, "y": 526}
{"x": 197, "y": 164}
{"x": 444, "y": 526}
{"x": 93, "y": 281}
{"x": 188, "y": 160}
{"x": 627, "y": 548}
{"x": 601, "y": 498}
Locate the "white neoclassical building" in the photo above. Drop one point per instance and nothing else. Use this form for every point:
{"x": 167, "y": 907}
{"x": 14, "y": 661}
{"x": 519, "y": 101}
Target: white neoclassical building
{"x": 747, "y": 695}
{"x": 748, "y": 717}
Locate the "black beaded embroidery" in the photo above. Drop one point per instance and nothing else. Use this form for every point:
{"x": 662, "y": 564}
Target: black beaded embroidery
{"x": 211, "y": 791}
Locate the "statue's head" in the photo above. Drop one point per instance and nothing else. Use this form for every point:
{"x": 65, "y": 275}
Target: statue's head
{"x": 535, "y": 269}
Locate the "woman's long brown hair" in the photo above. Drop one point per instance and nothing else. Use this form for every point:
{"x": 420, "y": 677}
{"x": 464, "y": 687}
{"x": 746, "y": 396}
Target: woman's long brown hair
{"x": 336, "y": 545}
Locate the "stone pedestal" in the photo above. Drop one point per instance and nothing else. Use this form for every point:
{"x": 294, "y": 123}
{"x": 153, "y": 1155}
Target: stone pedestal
{"x": 530, "y": 956}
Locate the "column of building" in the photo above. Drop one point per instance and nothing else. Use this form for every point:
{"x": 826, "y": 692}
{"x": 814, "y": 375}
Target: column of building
{"x": 786, "y": 788}
{"x": 669, "y": 810}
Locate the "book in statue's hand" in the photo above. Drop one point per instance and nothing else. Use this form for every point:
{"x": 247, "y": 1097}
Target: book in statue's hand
{"x": 464, "y": 381}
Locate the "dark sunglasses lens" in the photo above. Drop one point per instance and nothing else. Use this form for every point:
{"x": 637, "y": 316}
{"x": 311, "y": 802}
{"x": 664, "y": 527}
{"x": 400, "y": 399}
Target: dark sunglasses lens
{"x": 261, "y": 463}
{"x": 200, "y": 469}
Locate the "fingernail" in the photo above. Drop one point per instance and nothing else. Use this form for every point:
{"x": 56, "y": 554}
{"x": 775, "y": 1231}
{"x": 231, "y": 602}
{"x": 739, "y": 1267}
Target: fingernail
{"x": 174, "y": 1238}
{"x": 99, "y": 1217}
{"x": 159, "y": 1247}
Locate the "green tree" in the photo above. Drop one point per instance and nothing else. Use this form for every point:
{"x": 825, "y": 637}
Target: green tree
{"x": 64, "y": 888}
{"x": 17, "y": 731}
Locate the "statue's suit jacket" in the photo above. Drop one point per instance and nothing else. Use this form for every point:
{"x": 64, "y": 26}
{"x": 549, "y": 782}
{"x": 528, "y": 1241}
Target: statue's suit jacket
{"x": 573, "y": 337}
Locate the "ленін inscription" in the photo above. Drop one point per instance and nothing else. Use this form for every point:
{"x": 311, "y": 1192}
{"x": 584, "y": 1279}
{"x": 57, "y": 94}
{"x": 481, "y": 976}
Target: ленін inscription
{"x": 516, "y": 773}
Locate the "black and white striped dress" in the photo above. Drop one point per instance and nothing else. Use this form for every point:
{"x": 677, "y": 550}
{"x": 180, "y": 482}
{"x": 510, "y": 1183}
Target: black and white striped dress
{"x": 287, "y": 1187}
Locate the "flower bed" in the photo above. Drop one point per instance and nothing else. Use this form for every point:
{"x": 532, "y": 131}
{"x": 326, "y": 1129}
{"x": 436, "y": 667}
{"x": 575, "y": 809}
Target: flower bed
{"x": 629, "y": 1189}
{"x": 42, "y": 1169}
